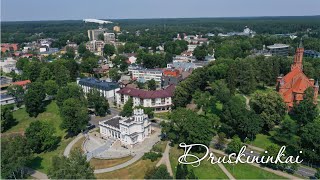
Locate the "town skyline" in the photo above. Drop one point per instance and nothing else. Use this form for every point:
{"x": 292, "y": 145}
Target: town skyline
{"x": 152, "y": 10}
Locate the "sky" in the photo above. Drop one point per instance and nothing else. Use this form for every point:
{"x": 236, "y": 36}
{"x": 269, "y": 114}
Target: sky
{"x": 31, "y": 10}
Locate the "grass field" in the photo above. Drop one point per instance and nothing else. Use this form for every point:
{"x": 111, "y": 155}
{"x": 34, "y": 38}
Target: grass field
{"x": 134, "y": 171}
{"x": 204, "y": 171}
{"x": 247, "y": 171}
{"x": 42, "y": 161}
{"x": 162, "y": 115}
{"x": 106, "y": 163}
{"x": 161, "y": 146}
{"x": 78, "y": 144}
{"x": 263, "y": 140}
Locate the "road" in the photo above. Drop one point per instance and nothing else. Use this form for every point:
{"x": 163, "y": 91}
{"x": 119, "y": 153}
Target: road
{"x": 302, "y": 170}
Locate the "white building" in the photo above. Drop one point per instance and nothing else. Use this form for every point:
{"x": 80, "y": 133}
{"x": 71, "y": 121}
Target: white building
{"x": 159, "y": 100}
{"x": 191, "y": 47}
{"x": 109, "y": 38}
{"x": 129, "y": 130}
{"x": 144, "y": 75}
{"x": 6, "y": 99}
{"x": 107, "y": 89}
{"x": 8, "y": 65}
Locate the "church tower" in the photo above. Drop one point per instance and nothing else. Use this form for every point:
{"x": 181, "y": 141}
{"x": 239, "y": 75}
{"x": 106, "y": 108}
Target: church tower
{"x": 298, "y": 58}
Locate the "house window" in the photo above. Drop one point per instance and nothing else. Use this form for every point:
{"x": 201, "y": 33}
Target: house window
{"x": 153, "y": 102}
{"x": 163, "y": 100}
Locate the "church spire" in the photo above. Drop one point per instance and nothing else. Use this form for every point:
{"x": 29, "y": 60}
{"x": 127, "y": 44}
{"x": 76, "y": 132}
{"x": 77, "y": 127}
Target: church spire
{"x": 300, "y": 44}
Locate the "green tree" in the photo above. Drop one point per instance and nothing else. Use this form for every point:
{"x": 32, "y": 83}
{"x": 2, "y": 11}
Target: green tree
{"x": 140, "y": 84}
{"x": 74, "y": 116}
{"x": 82, "y": 49}
{"x": 40, "y": 136}
{"x": 34, "y": 99}
{"x": 187, "y": 126}
{"x": 32, "y": 70}
{"x": 17, "y": 92}
{"x": 75, "y": 166}
{"x": 114, "y": 75}
{"x": 15, "y": 155}
{"x": 221, "y": 140}
{"x": 70, "y": 54}
{"x": 152, "y": 85}
{"x": 200, "y": 52}
{"x": 69, "y": 91}
{"x": 87, "y": 64}
{"x": 160, "y": 172}
{"x": 51, "y": 87}
{"x": 101, "y": 37}
{"x": 270, "y": 108}
{"x": 317, "y": 175}
{"x": 98, "y": 102}
{"x": 305, "y": 111}
{"x": 310, "y": 141}
{"x": 191, "y": 175}
{"x": 127, "y": 108}
{"x": 182, "y": 171}
{"x": 22, "y": 63}
{"x": 62, "y": 75}
{"x": 234, "y": 146}
{"x": 7, "y": 120}
{"x": 237, "y": 120}
{"x": 286, "y": 134}
{"x": 108, "y": 50}
{"x": 45, "y": 74}
{"x": 220, "y": 90}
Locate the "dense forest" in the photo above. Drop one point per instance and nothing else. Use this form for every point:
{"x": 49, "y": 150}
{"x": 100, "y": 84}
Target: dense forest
{"x": 75, "y": 30}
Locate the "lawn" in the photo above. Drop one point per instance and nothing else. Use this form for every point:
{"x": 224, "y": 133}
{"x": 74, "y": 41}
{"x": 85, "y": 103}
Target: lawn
{"x": 160, "y": 146}
{"x": 263, "y": 140}
{"x": 42, "y": 161}
{"x": 78, "y": 144}
{"x": 205, "y": 171}
{"x": 106, "y": 163}
{"x": 162, "y": 115}
{"x": 134, "y": 171}
{"x": 247, "y": 171}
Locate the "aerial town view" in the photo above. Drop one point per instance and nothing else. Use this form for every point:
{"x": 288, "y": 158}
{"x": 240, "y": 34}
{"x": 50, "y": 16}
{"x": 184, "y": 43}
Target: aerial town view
{"x": 141, "y": 89}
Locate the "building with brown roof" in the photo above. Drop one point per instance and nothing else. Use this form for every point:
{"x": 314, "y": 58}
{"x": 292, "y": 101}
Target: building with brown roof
{"x": 293, "y": 85}
{"x": 160, "y": 100}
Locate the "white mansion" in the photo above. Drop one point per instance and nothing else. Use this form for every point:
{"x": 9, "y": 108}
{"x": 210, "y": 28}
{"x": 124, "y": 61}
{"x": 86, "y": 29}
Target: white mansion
{"x": 129, "y": 130}
{"x": 160, "y": 100}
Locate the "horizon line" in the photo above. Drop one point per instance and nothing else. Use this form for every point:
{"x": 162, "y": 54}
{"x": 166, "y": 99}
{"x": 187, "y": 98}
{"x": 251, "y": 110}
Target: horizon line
{"x": 158, "y": 18}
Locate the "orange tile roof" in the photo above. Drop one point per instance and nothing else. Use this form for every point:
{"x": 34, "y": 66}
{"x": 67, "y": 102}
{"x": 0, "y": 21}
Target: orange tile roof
{"x": 22, "y": 83}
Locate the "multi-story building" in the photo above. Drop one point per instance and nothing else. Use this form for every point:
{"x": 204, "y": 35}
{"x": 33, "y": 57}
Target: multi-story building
{"x": 107, "y": 89}
{"x": 116, "y": 29}
{"x": 144, "y": 75}
{"x": 95, "y": 47}
{"x": 129, "y": 130}
{"x": 159, "y": 100}
{"x": 279, "y": 49}
{"x": 311, "y": 53}
{"x": 94, "y": 34}
{"x": 109, "y": 38}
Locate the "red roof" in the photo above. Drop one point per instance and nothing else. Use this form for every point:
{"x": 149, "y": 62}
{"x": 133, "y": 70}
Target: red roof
{"x": 22, "y": 83}
{"x": 293, "y": 85}
{"x": 163, "y": 93}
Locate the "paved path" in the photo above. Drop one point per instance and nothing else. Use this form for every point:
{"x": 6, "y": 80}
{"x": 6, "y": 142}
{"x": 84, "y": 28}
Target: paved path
{"x": 224, "y": 169}
{"x": 279, "y": 173}
{"x": 37, "y": 174}
{"x": 166, "y": 160}
{"x": 247, "y": 101}
{"x": 137, "y": 154}
{"x": 69, "y": 146}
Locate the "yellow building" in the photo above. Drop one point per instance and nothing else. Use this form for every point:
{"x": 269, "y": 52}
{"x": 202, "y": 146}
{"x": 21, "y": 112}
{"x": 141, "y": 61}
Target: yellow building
{"x": 116, "y": 28}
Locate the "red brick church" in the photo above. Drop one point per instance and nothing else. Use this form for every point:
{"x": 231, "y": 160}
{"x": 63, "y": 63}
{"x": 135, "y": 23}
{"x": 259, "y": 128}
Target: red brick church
{"x": 292, "y": 85}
